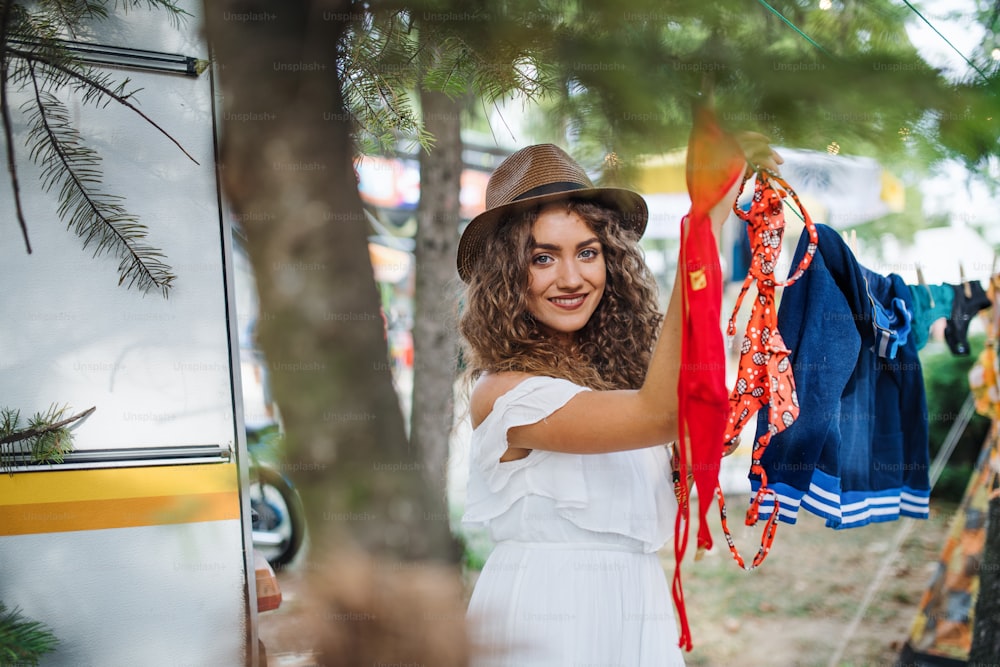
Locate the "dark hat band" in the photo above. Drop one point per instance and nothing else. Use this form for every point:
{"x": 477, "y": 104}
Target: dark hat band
{"x": 550, "y": 189}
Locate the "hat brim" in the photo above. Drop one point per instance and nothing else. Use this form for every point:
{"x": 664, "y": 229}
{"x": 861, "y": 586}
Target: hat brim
{"x": 629, "y": 204}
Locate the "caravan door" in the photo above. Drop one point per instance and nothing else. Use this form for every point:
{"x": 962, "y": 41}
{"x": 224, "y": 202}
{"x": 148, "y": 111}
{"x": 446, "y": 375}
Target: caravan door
{"x": 134, "y": 550}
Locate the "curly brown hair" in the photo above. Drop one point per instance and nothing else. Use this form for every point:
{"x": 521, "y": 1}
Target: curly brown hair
{"x": 611, "y": 351}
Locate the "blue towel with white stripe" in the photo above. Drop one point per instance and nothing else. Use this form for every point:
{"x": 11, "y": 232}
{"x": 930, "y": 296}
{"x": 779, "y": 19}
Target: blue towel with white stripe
{"x": 858, "y": 453}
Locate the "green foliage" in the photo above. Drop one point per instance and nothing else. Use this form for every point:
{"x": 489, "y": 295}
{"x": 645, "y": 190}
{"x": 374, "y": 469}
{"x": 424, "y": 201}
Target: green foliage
{"x": 174, "y": 13}
{"x": 23, "y": 641}
{"x": 388, "y": 53}
{"x": 267, "y": 444}
{"x": 953, "y": 481}
{"x": 946, "y": 379}
{"x": 475, "y": 546}
{"x": 69, "y": 14}
{"x": 46, "y": 437}
{"x": 377, "y": 69}
{"x": 35, "y": 58}
{"x": 621, "y": 78}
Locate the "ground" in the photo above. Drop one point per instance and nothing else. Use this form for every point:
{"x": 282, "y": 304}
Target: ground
{"x": 797, "y": 610}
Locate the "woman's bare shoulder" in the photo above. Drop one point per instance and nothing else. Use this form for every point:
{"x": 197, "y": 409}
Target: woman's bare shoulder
{"x": 488, "y": 388}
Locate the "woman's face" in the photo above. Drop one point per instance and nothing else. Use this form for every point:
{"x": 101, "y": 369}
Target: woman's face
{"x": 566, "y": 271}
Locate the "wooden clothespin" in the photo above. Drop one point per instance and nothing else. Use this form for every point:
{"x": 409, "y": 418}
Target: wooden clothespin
{"x": 965, "y": 283}
{"x": 923, "y": 283}
{"x": 851, "y": 239}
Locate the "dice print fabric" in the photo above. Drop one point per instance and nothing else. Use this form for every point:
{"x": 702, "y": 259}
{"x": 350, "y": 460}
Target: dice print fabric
{"x": 765, "y": 371}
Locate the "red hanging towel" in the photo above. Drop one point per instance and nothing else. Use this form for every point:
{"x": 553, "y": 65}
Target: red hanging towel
{"x": 714, "y": 162}
{"x": 765, "y": 372}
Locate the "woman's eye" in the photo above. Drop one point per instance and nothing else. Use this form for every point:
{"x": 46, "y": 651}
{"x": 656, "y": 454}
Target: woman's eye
{"x": 588, "y": 253}
{"x": 542, "y": 259}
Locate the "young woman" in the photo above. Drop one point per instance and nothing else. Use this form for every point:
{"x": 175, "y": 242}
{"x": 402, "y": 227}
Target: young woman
{"x": 575, "y": 397}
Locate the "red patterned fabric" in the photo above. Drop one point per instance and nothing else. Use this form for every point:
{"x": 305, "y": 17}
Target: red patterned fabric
{"x": 714, "y": 162}
{"x": 765, "y": 371}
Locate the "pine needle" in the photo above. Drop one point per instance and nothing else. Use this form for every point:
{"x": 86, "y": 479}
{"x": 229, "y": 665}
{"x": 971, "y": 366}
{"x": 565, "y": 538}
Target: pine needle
{"x": 46, "y": 439}
{"x": 23, "y": 641}
{"x": 97, "y": 217}
{"x": 35, "y": 58}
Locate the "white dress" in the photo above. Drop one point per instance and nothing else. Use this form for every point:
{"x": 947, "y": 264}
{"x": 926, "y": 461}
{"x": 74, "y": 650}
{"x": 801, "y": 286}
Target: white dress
{"x": 574, "y": 578}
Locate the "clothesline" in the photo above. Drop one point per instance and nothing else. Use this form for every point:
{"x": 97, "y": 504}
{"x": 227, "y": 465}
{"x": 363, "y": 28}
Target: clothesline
{"x": 947, "y": 41}
{"x": 795, "y": 27}
{"x": 961, "y": 264}
{"x": 907, "y": 3}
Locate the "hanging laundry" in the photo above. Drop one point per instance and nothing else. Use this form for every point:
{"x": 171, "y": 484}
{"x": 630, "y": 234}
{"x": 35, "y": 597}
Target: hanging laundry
{"x": 714, "y": 162}
{"x": 983, "y": 382}
{"x": 879, "y": 478}
{"x": 765, "y": 373}
{"x": 984, "y": 376}
{"x": 892, "y": 321}
{"x": 924, "y": 314}
{"x": 942, "y": 629}
{"x": 858, "y": 451}
{"x": 966, "y": 304}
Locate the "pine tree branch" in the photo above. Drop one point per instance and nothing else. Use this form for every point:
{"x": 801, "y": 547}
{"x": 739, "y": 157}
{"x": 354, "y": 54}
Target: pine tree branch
{"x": 103, "y": 222}
{"x": 72, "y": 13}
{"x": 99, "y": 87}
{"x": 176, "y": 13}
{"x": 22, "y": 640}
{"x": 26, "y": 434}
{"x": 7, "y": 132}
{"x": 452, "y": 72}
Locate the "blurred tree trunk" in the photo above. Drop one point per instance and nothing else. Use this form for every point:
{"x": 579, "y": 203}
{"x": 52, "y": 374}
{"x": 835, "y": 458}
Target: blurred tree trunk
{"x": 985, "y": 649}
{"x": 434, "y": 322}
{"x": 291, "y": 180}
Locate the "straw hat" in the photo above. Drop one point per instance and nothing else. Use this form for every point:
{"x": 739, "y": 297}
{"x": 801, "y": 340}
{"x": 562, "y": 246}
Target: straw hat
{"x": 534, "y": 176}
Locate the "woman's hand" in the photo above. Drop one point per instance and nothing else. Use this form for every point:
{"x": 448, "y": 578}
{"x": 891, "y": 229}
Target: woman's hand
{"x": 759, "y": 154}
{"x": 758, "y": 151}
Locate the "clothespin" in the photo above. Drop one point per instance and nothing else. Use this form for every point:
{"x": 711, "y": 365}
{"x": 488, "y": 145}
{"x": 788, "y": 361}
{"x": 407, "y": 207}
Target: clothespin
{"x": 923, "y": 283}
{"x": 965, "y": 283}
{"x": 851, "y": 239}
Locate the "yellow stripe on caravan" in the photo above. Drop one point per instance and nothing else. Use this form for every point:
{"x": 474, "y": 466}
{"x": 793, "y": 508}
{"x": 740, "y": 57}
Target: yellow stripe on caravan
{"x": 60, "y": 501}
{"x": 109, "y": 483}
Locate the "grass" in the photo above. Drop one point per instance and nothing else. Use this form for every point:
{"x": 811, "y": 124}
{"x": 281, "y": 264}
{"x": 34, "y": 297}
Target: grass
{"x": 796, "y": 609}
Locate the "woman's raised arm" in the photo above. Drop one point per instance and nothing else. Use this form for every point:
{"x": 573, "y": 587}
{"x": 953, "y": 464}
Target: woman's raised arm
{"x": 606, "y": 421}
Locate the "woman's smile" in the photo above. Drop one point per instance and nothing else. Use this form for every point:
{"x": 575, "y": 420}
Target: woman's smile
{"x": 569, "y": 302}
{"x": 567, "y": 273}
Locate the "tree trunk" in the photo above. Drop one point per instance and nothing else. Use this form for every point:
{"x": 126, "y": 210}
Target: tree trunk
{"x": 290, "y": 178}
{"x": 985, "y": 649}
{"x": 434, "y": 325}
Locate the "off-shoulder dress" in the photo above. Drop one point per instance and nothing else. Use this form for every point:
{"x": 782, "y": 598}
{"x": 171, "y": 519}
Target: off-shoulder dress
{"x": 574, "y": 578}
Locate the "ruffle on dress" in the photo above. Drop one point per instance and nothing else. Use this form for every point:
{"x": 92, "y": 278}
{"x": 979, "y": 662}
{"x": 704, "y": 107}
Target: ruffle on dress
{"x": 626, "y": 493}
